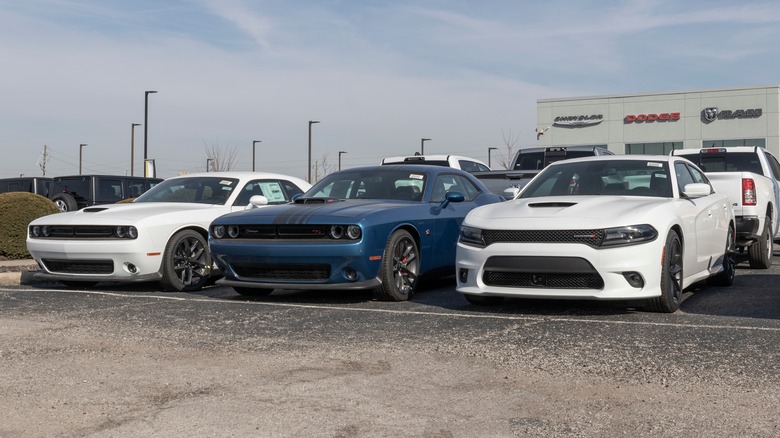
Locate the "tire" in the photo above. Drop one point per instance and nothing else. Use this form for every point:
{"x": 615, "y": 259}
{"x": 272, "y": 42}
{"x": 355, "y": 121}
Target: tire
{"x": 760, "y": 252}
{"x": 65, "y": 202}
{"x": 252, "y": 292}
{"x": 186, "y": 264}
{"x": 726, "y": 276}
{"x": 482, "y": 300}
{"x": 74, "y": 284}
{"x": 671, "y": 277}
{"x": 400, "y": 266}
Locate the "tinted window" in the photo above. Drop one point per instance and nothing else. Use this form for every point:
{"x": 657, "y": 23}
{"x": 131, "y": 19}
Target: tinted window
{"x": 277, "y": 192}
{"x": 78, "y": 187}
{"x": 371, "y": 184}
{"x": 201, "y": 190}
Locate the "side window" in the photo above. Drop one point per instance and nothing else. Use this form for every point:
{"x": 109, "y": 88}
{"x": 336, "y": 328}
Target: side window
{"x": 469, "y": 190}
{"x": 109, "y": 190}
{"x": 452, "y": 183}
{"x": 683, "y": 176}
{"x": 700, "y": 177}
{"x": 273, "y": 190}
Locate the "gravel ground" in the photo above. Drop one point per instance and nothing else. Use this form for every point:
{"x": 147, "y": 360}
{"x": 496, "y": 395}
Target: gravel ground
{"x": 124, "y": 364}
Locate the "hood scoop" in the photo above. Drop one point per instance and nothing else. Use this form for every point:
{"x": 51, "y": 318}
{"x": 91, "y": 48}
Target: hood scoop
{"x": 93, "y": 209}
{"x": 315, "y": 200}
{"x": 552, "y": 204}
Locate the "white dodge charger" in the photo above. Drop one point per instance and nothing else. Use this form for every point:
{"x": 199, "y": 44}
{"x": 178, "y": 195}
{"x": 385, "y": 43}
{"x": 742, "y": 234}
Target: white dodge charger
{"x": 161, "y": 236}
{"x": 635, "y": 228}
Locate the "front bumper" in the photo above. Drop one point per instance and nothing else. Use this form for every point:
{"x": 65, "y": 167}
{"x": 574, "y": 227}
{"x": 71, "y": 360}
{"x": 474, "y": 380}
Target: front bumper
{"x": 564, "y": 271}
{"x": 296, "y": 265}
{"x": 104, "y": 260}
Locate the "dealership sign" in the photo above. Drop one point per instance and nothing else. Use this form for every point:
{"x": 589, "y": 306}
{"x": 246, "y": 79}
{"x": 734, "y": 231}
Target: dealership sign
{"x": 712, "y": 113}
{"x": 651, "y": 117}
{"x": 575, "y": 121}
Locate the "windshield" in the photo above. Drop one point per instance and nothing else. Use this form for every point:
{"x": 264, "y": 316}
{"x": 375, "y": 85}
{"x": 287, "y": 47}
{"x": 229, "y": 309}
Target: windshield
{"x": 371, "y": 184}
{"x": 612, "y": 177}
{"x": 201, "y": 190}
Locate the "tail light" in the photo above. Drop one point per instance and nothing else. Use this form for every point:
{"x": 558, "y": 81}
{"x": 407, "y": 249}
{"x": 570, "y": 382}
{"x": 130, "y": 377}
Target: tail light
{"x": 748, "y": 191}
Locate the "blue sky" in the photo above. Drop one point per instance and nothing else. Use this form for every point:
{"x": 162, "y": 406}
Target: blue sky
{"x": 379, "y": 75}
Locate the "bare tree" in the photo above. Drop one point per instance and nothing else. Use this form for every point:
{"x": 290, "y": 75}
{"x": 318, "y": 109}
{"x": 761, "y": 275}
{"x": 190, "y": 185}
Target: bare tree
{"x": 323, "y": 167}
{"x": 220, "y": 158}
{"x": 510, "y": 142}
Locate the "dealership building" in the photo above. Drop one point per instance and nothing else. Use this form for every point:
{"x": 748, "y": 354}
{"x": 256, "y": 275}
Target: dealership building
{"x": 657, "y": 123}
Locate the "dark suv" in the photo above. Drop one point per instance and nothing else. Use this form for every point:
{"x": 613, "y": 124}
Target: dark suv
{"x": 32, "y": 184}
{"x": 72, "y": 193}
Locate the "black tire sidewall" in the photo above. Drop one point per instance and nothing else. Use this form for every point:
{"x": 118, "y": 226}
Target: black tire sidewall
{"x": 170, "y": 280}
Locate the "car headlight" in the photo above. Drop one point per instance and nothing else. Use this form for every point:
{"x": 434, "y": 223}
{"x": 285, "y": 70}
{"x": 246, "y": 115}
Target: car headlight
{"x": 629, "y": 235}
{"x": 35, "y": 231}
{"x": 471, "y": 236}
{"x": 45, "y": 231}
{"x": 233, "y": 231}
{"x": 132, "y": 232}
{"x": 218, "y": 231}
{"x": 354, "y": 232}
{"x": 120, "y": 232}
{"x": 336, "y": 231}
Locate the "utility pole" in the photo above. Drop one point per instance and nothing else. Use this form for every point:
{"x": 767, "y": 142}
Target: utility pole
{"x": 44, "y": 159}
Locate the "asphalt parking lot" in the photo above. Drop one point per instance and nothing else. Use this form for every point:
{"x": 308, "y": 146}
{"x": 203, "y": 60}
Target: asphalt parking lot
{"x": 131, "y": 360}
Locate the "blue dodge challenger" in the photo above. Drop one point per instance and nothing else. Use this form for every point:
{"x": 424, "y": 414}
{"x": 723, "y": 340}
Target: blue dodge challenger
{"x": 377, "y": 228}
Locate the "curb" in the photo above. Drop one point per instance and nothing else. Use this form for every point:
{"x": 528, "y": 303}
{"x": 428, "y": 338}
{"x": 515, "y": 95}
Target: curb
{"x": 18, "y": 278}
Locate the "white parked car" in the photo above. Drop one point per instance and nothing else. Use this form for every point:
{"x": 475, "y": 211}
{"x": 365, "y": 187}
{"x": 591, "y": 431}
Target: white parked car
{"x": 635, "y": 228}
{"x": 161, "y": 236}
{"x": 454, "y": 161}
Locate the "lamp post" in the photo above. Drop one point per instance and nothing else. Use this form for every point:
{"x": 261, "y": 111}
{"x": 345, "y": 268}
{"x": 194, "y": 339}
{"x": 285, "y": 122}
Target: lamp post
{"x": 132, "y": 146}
{"x": 422, "y": 145}
{"x": 490, "y": 149}
{"x": 146, "y": 126}
{"x": 254, "y": 142}
{"x": 311, "y": 122}
{"x": 341, "y": 152}
{"x": 81, "y": 148}
{"x": 207, "y": 163}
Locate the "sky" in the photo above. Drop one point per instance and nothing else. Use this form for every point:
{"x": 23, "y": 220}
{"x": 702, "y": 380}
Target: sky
{"x": 378, "y": 75}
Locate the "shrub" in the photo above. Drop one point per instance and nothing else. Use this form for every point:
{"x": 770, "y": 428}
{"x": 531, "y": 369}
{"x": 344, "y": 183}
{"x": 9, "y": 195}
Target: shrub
{"x": 17, "y": 210}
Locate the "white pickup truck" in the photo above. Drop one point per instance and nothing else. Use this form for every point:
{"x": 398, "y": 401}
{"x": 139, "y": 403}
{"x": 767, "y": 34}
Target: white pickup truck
{"x": 749, "y": 176}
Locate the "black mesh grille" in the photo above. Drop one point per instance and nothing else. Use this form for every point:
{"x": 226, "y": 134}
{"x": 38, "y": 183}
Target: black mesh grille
{"x": 588, "y": 237}
{"x": 314, "y": 232}
{"x": 82, "y": 232}
{"x": 543, "y": 280}
{"x": 294, "y": 272}
{"x": 79, "y": 266}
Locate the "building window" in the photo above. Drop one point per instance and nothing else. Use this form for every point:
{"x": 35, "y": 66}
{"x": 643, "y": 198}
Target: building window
{"x": 760, "y": 142}
{"x": 664, "y": 148}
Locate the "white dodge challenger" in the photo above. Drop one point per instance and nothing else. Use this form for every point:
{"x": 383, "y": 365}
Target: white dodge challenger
{"x": 161, "y": 236}
{"x": 635, "y": 228}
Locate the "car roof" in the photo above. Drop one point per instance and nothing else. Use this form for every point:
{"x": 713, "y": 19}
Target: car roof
{"x": 439, "y": 157}
{"x": 665, "y": 158}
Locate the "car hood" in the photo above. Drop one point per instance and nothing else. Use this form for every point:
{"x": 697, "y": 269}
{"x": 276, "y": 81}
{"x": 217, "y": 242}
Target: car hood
{"x": 566, "y": 212}
{"x": 129, "y": 213}
{"x": 351, "y": 210}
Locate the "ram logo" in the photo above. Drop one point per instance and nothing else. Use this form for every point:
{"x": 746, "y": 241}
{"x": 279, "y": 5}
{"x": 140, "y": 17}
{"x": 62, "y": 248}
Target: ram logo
{"x": 710, "y": 114}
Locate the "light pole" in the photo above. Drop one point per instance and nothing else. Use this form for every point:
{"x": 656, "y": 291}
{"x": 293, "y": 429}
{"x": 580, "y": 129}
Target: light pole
{"x": 132, "y": 145}
{"x": 254, "y": 142}
{"x": 490, "y": 149}
{"x": 81, "y": 148}
{"x": 207, "y": 163}
{"x": 422, "y": 145}
{"x": 311, "y": 122}
{"x": 341, "y": 152}
{"x": 146, "y": 126}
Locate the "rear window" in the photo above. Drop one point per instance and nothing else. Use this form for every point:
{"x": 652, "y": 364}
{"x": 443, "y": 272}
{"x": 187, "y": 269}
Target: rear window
{"x": 727, "y": 162}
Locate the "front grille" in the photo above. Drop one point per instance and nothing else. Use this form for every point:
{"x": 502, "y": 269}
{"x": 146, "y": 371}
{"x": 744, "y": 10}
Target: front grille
{"x": 551, "y": 281}
{"x": 559, "y": 272}
{"x": 79, "y": 266}
{"x": 314, "y": 232}
{"x": 282, "y": 272}
{"x": 588, "y": 237}
{"x": 81, "y": 232}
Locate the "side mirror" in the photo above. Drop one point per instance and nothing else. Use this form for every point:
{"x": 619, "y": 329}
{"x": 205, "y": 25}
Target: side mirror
{"x": 256, "y": 201}
{"x": 511, "y": 192}
{"x": 452, "y": 197}
{"x": 697, "y": 190}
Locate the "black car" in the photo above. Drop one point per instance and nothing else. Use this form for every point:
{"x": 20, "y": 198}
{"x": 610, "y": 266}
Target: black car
{"x": 32, "y": 184}
{"x": 72, "y": 193}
